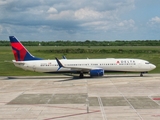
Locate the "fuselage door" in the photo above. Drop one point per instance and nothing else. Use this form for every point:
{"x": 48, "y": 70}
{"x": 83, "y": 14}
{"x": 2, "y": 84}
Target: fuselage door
{"x": 34, "y": 68}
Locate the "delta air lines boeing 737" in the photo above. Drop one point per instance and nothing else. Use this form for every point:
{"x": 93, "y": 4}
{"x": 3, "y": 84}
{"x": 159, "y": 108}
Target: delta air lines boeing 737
{"x": 94, "y": 67}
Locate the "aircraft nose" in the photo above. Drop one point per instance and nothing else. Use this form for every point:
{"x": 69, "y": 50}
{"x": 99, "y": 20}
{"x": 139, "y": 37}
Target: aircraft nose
{"x": 152, "y": 66}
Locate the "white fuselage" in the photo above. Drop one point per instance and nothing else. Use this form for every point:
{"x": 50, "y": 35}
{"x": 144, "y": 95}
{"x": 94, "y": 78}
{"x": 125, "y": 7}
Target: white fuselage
{"x": 110, "y": 64}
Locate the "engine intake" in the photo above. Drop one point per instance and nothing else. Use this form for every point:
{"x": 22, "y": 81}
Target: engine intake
{"x": 96, "y": 72}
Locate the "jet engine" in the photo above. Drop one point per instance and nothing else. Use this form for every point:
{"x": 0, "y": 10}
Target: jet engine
{"x": 96, "y": 72}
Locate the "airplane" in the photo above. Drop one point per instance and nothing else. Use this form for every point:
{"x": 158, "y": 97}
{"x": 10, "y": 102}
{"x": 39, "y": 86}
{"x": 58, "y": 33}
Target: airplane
{"x": 94, "y": 67}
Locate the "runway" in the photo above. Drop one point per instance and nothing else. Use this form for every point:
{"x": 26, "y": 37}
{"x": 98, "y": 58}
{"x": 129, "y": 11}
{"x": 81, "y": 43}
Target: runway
{"x": 112, "y": 97}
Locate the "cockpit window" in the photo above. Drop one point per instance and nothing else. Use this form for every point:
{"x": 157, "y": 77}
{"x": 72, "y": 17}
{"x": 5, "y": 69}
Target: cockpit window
{"x": 147, "y": 63}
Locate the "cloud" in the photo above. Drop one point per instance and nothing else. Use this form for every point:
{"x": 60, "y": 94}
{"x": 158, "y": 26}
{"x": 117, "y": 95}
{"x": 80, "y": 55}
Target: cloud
{"x": 1, "y": 28}
{"x": 64, "y": 15}
{"x": 3, "y": 2}
{"x": 52, "y": 10}
{"x": 154, "y": 24}
{"x": 70, "y": 16}
{"x": 87, "y": 14}
{"x": 155, "y": 20}
{"x": 110, "y": 26}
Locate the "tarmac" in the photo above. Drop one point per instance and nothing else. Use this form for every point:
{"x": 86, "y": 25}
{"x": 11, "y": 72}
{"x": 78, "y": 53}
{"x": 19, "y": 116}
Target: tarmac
{"x": 112, "y": 97}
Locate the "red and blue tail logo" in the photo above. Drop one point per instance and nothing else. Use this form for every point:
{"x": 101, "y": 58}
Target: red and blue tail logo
{"x": 20, "y": 52}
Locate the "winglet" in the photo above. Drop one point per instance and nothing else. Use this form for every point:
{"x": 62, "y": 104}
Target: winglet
{"x": 64, "y": 57}
{"x": 59, "y": 64}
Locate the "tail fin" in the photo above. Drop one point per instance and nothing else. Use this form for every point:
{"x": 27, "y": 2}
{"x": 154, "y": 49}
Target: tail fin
{"x": 19, "y": 51}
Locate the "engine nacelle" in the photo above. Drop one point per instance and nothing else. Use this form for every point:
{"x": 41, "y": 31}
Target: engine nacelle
{"x": 96, "y": 72}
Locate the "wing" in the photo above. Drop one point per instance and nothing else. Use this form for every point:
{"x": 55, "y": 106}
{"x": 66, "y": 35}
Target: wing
{"x": 90, "y": 70}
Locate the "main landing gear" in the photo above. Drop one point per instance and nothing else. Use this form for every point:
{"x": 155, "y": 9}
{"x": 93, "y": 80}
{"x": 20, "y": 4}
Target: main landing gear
{"x": 141, "y": 74}
{"x": 81, "y": 75}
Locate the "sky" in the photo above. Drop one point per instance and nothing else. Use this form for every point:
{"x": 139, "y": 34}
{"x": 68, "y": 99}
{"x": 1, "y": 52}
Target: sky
{"x": 80, "y": 20}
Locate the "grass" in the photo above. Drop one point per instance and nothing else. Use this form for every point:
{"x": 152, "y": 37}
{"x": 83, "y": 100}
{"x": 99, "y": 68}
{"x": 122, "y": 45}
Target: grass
{"x": 34, "y": 48}
{"x": 8, "y": 69}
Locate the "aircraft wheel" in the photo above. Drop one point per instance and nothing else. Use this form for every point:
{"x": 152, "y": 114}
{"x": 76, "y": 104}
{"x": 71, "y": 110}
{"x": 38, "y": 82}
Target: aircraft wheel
{"x": 141, "y": 74}
{"x": 81, "y": 75}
